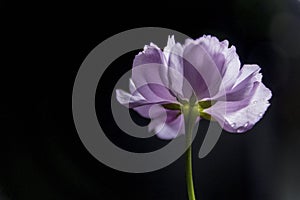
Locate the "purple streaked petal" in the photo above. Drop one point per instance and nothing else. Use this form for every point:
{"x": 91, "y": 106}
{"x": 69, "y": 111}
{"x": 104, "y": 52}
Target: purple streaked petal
{"x": 225, "y": 58}
{"x": 137, "y": 100}
{"x": 149, "y": 66}
{"x": 244, "y": 83}
{"x": 200, "y": 70}
{"x": 240, "y": 116}
{"x": 154, "y": 93}
{"x": 140, "y": 105}
{"x": 151, "y": 82}
{"x": 248, "y": 75}
{"x": 177, "y": 82}
{"x": 151, "y": 54}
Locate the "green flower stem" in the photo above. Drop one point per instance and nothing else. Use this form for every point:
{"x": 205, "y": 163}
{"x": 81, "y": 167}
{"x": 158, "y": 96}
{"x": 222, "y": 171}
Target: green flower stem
{"x": 190, "y": 113}
{"x": 189, "y": 174}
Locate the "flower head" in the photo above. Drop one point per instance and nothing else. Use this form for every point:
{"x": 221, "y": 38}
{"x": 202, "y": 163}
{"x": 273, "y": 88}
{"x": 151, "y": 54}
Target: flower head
{"x": 204, "y": 74}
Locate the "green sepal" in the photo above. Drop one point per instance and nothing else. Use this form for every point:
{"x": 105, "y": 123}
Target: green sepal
{"x": 202, "y": 105}
{"x": 172, "y": 106}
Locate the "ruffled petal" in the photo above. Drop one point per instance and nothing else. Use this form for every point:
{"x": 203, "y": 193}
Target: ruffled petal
{"x": 149, "y": 83}
{"x": 150, "y": 75}
{"x": 248, "y": 75}
{"x": 225, "y": 58}
{"x": 240, "y": 116}
{"x": 150, "y": 54}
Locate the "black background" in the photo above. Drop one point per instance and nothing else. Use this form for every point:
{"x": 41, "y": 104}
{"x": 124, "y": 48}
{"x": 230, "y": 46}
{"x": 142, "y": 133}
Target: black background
{"x": 43, "y": 46}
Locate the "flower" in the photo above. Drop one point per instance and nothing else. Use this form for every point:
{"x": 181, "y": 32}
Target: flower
{"x": 205, "y": 73}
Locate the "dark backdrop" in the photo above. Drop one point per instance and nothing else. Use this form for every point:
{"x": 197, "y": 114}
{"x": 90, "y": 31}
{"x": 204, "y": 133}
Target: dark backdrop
{"x": 43, "y": 45}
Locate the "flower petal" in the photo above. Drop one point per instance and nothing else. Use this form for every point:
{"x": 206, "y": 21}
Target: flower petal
{"x": 225, "y": 58}
{"x": 141, "y": 104}
{"x": 177, "y": 82}
{"x": 168, "y": 48}
{"x": 248, "y": 75}
{"x": 244, "y": 83}
{"x": 240, "y": 116}
{"x": 150, "y": 75}
{"x": 167, "y": 124}
{"x": 151, "y": 54}
{"x": 200, "y": 70}
{"x": 128, "y": 99}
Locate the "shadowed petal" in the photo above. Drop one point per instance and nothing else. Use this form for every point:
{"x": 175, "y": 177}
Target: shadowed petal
{"x": 167, "y": 124}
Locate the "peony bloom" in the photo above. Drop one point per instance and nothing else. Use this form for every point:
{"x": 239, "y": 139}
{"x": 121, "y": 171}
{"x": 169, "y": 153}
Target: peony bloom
{"x": 204, "y": 73}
